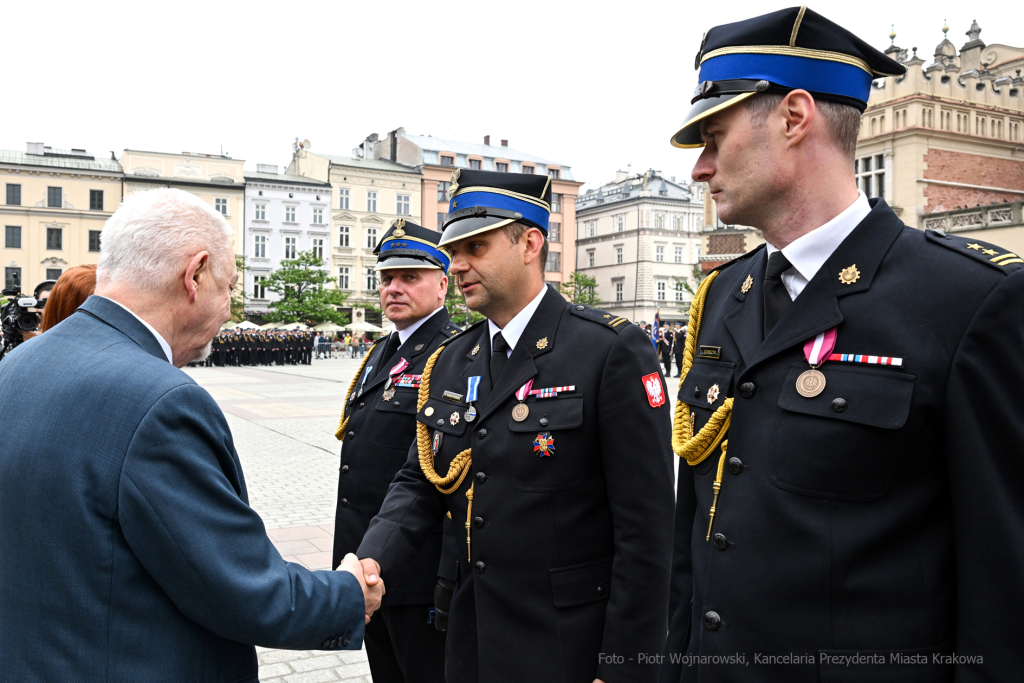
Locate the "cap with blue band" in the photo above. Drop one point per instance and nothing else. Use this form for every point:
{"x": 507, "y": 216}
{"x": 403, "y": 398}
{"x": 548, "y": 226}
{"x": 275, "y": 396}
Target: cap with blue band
{"x": 486, "y": 200}
{"x": 407, "y": 245}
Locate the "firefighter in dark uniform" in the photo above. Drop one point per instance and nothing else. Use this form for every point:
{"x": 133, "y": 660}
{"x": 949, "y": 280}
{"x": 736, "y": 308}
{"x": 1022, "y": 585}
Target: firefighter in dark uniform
{"x": 851, "y": 505}
{"x": 544, "y": 432}
{"x": 377, "y": 428}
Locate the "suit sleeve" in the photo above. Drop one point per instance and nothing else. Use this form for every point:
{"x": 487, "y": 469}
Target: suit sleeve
{"x": 183, "y": 510}
{"x": 409, "y": 515}
{"x": 984, "y": 426}
{"x": 636, "y": 451}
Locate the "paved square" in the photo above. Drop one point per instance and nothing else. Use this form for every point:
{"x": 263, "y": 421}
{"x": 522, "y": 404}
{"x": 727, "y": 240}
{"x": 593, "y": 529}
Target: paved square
{"x": 283, "y": 419}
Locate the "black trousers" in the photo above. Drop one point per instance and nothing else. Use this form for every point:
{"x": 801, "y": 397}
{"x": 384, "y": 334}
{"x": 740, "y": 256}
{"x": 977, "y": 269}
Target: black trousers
{"x": 679, "y": 365}
{"x": 403, "y": 648}
{"x": 666, "y": 360}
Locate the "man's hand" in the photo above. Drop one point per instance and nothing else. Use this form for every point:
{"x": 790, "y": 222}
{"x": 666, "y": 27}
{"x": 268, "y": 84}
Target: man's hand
{"x": 25, "y": 336}
{"x": 367, "y": 571}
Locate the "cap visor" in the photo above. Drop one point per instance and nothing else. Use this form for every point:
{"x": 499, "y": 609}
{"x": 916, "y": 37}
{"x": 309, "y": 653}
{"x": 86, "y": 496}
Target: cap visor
{"x": 453, "y": 232}
{"x": 405, "y": 262}
{"x": 688, "y": 137}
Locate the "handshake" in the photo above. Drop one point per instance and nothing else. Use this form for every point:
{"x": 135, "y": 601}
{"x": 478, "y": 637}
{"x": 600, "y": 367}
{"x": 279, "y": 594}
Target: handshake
{"x": 367, "y": 571}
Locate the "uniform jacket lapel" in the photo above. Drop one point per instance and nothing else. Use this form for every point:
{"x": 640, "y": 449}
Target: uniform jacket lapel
{"x": 421, "y": 337}
{"x": 478, "y": 365}
{"x": 745, "y": 316}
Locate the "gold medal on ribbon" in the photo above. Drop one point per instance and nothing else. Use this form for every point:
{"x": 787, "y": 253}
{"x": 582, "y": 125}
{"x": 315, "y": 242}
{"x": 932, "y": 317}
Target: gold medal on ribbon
{"x": 520, "y": 412}
{"x": 810, "y": 383}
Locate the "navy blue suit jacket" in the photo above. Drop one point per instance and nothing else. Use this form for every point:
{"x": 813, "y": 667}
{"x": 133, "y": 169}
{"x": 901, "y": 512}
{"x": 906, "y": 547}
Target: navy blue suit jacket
{"x": 128, "y": 550}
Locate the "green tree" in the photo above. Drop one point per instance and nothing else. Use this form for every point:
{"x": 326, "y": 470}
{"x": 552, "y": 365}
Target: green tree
{"x": 457, "y": 308}
{"x": 238, "y": 296}
{"x": 302, "y": 285}
{"x": 581, "y": 289}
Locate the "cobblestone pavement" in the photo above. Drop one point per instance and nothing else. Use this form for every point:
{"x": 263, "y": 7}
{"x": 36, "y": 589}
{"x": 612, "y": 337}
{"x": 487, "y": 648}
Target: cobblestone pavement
{"x": 283, "y": 421}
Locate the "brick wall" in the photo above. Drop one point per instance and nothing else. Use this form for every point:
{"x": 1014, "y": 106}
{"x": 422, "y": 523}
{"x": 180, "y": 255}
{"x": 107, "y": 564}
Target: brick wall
{"x": 973, "y": 169}
{"x": 725, "y": 244}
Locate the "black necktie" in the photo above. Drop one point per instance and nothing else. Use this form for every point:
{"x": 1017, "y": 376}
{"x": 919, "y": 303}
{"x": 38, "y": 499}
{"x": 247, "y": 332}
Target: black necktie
{"x": 499, "y": 357}
{"x": 776, "y": 298}
{"x": 389, "y": 350}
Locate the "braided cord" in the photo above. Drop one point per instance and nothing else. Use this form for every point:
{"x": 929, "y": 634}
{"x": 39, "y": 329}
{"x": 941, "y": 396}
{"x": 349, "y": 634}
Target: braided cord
{"x": 339, "y": 433}
{"x": 459, "y": 467}
{"x": 694, "y": 449}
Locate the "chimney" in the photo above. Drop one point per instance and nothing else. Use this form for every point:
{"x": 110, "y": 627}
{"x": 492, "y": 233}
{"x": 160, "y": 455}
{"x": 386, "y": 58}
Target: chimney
{"x": 504, "y": 143}
{"x": 266, "y": 168}
{"x": 36, "y": 148}
{"x": 620, "y": 176}
{"x": 487, "y": 140}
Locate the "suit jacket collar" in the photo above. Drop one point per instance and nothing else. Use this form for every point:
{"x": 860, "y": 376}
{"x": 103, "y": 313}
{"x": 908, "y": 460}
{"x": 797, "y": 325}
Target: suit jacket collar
{"x": 124, "y": 322}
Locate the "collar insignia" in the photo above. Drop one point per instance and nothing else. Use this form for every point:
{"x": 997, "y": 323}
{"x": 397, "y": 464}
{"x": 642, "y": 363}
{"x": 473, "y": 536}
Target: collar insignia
{"x": 542, "y": 343}
{"x": 849, "y": 275}
{"x": 747, "y": 284}
{"x": 476, "y": 350}
{"x": 419, "y": 347}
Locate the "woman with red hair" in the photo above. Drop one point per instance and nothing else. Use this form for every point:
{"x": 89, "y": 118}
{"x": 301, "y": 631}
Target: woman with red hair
{"x": 73, "y": 287}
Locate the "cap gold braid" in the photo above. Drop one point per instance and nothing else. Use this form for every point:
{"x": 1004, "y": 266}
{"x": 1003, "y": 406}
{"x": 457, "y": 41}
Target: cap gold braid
{"x": 459, "y": 466}
{"x": 339, "y": 433}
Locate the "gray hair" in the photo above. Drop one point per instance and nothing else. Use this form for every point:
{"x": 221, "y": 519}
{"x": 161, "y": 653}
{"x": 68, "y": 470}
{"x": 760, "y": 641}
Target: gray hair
{"x": 150, "y": 236}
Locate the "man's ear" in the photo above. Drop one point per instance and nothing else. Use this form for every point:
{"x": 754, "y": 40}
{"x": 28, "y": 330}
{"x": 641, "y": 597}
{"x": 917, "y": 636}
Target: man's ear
{"x": 197, "y": 269}
{"x": 799, "y": 112}
{"x": 534, "y": 242}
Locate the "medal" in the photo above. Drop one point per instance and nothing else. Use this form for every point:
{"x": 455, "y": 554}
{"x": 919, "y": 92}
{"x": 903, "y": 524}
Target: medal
{"x": 454, "y": 419}
{"x": 811, "y": 382}
{"x": 438, "y": 436}
{"x": 472, "y": 384}
{"x": 388, "y": 394}
{"x": 389, "y": 388}
{"x": 470, "y": 413}
{"x": 544, "y": 443}
{"x": 522, "y": 411}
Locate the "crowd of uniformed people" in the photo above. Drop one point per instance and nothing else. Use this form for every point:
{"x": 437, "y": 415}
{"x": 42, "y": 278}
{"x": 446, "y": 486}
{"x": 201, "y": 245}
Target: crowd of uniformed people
{"x": 261, "y": 347}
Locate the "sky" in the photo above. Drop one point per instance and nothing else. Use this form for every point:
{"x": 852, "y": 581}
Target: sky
{"x": 598, "y": 86}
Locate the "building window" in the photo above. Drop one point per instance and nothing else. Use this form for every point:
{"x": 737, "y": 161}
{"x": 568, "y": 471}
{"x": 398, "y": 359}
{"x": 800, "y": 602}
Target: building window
{"x": 289, "y": 214}
{"x": 53, "y": 273}
{"x": 261, "y": 212}
{"x": 679, "y": 253}
{"x": 261, "y": 247}
{"x": 442, "y": 191}
{"x": 258, "y": 289}
{"x": 620, "y": 223}
{"x": 659, "y": 221}
{"x": 12, "y": 237}
{"x": 54, "y": 197}
{"x": 661, "y": 290}
{"x": 371, "y": 238}
{"x": 554, "y": 264}
{"x": 95, "y": 200}
{"x": 474, "y": 164}
{"x": 318, "y": 216}
{"x": 554, "y": 232}
{"x": 13, "y": 194}
{"x": 94, "y": 240}
{"x": 343, "y": 198}
{"x": 343, "y": 277}
{"x": 402, "y": 205}
{"x": 502, "y": 167}
{"x": 447, "y": 161}
{"x": 591, "y": 228}
{"x": 12, "y": 277}
{"x": 55, "y": 238}
{"x": 371, "y": 201}
{"x": 553, "y": 172}
{"x": 371, "y": 279}
{"x": 344, "y": 232}
{"x": 440, "y": 221}
{"x": 590, "y": 258}
{"x": 528, "y": 169}
{"x": 556, "y": 203}
{"x": 618, "y": 291}
{"x": 618, "y": 254}
{"x": 659, "y": 253}
{"x": 318, "y": 247}
{"x": 679, "y": 290}
{"x": 221, "y": 205}
{"x": 290, "y": 247}
{"x": 870, "y": 173}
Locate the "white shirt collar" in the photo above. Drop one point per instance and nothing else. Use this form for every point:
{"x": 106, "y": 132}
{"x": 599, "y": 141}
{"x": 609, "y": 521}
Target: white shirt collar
{"x": 517, "y": 325}
{"x": 809, "y": 252}
{"x": 163, "y": 342}
{"x": 404, "y": 335}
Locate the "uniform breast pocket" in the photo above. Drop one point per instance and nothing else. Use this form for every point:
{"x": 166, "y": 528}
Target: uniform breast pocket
{"x": 704, "y": 389}
{"x": 394, "y": 421}
{"x": 542, "y": 452}
{"x": 841, "y": 443}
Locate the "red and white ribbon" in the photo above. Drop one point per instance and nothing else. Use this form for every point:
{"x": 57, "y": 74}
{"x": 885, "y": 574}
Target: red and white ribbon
{"x": 817, "y": 350}
{"x": 524, "y": 390}
{"x": 398, "y": 367}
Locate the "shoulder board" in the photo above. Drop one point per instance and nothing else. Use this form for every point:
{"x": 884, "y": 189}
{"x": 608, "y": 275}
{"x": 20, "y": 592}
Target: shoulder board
{"x": 739, "y": 258}
{"x": 602, "y": 318}
{"x": 451, "y": 329}
{"x": 989, "y": 254}
{"x": 460, "y": 333}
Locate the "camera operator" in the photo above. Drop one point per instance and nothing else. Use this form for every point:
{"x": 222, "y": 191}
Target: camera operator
{"x": 20, "y": 316}
{"x": 41, "y": 294}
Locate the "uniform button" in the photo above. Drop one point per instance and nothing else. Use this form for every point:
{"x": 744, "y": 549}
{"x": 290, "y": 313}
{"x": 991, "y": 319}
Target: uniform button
{"x": 361, "y": 404}
{"x": 397, "y": 403}
{"x": 480, "y": 477}
{"x": 712, "y": 620}
{"x": 579, "y": 308}
{"x": 600, "y": 589}
{"x": 747, "y": 389}
{"x": 478, "y": 522}
{"x": 696, "y": 392}
{"x": 481, "y": 433}
{"x": 735, "y": 465}
{"x": 344, "y": 502}
{"x": 839, "y": 405}
{"x": 344, "y": 469}
{"x": 543, "y": 422}
{"x": 350, "y": 435}
{"x": 440, "y": 422}
{"x": 479, "y": 567}
{"x": 720, "y": 541}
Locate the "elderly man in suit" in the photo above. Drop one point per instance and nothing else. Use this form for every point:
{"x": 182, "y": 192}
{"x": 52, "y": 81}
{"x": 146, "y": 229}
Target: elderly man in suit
{"x": 130, "y": 552}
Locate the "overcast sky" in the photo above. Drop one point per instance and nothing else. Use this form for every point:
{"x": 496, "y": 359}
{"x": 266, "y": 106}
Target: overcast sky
{"x": 594, "y": 85}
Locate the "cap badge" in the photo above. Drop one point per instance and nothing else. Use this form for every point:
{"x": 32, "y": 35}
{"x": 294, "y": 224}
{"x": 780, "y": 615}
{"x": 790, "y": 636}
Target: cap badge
{"x": 542, "y": 343}
{"x": 747, "y": 284}
{"x": 454, "y": 187}
{"x": 849, "y": 275}
{"x": 399, "y": 224}
{"x": 761, "y": 86}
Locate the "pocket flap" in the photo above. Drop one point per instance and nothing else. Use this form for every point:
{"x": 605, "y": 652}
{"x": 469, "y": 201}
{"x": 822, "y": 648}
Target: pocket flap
{"x": 547, "y": 414}
{"x": 703, "y": 375}
{"x": 865, "y": 395}
{"x": 581, "y": 583}
{"x": 404, "y": 401}
{"x": 437, "y": 414}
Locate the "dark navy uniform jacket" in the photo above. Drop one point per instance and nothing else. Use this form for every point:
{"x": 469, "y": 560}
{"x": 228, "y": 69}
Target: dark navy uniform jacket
{"x": 570, "y": 548}
{"x": 883, "y": 518}
{"x": 376, "y": 444}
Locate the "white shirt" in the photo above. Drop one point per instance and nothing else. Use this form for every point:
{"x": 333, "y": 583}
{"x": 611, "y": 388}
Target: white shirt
{"x": 517, "y": 325}
{"x": 163, "y": 342}
{"x": 808, "y": 253}
{"x": 404, "y": 335}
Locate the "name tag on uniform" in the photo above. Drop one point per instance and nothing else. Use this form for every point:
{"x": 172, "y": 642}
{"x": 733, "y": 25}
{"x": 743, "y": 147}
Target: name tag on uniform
{"x": 452, "y": 396}
{"x": 713, "y": 352}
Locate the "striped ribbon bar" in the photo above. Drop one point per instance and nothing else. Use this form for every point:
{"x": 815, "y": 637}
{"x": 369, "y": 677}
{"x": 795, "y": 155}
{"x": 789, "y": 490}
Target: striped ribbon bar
{"x": 552, "y": 391}
{"x": 870, "y": 360}
{"x": 408, "y": 381}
